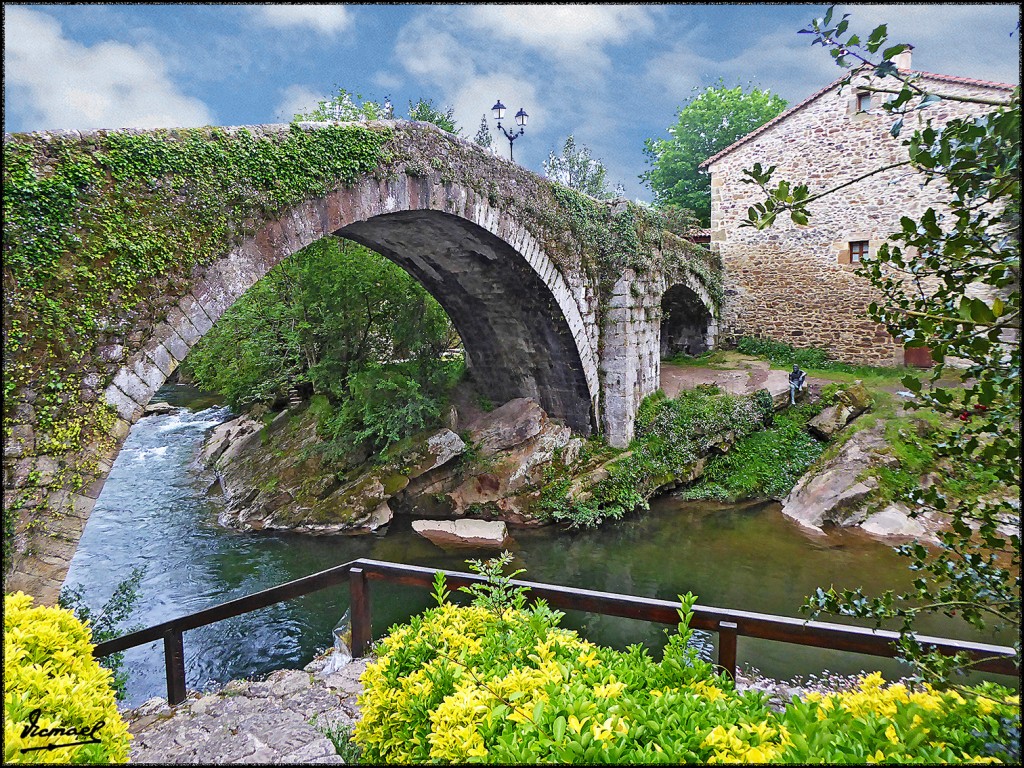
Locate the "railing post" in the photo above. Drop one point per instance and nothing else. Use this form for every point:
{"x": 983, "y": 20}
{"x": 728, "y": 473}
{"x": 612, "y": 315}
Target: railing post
{"x": 727, "y": 647}
{"x": 174, "y": 660}
{"x": 360, "y": 607}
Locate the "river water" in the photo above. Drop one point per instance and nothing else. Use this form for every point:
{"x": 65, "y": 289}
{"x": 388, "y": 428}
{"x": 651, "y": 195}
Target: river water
{"x": 155, "y": 513}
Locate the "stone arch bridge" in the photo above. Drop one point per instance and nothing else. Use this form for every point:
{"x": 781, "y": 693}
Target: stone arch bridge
{"x": 122, "y": 248}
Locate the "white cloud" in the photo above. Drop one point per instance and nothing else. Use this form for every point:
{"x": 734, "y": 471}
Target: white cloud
{"x": 569, "y": 32}
{"x": 949, "y": 39}
{"x": 432, "y": 55}
{"x": 296, "y": 99}
{"x": 476, "y": 95}
{"x": 59, "y": 83}
{"x": 781, "y": 62}
{"x": 322, "y": 19}
{"x": 466, "y": 79}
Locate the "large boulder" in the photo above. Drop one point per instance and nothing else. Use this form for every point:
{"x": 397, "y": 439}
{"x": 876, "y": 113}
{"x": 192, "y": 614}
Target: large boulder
{"x": 290, "y": 486}
{"x": 497, "y": 477}
{"x": 226, "y": 440}
{"x": 158, "y": 409}
{"x": 835, "y": 493}
{"x": 895, "y": 521}
{"x": 510, "y": 425}
{"x": 464, "y": 533}
{"x": 850, "y": 403}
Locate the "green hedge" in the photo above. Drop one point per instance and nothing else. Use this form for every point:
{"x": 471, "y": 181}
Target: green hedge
{"x": 55, "y": 692}
{"x": 505, "y": 684}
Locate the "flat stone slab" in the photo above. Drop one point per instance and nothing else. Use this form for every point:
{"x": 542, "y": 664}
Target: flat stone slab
{"x": 158, "y": 409}
{"x": 463, "y": 533}
{"x": 895, "y": 520}
{"x": 745, "y": 379}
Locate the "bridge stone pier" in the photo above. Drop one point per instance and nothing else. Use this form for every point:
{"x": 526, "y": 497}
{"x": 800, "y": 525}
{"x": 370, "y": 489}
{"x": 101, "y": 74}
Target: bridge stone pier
{"x": 556, "y": 296}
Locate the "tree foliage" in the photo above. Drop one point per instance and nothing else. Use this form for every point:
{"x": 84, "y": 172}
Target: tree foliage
{"x": 712, "y": 120}
{"x": 424, "y": 111}
{"x": 106, "y": 623}
{"x": 319, "y": 323}
{"x": 576, "y": 169}
{"x": 345, "y": 106}
{"x": 339, "y": 320}
{"x": 948, "y": 280}
{"x": 483, "y": 134}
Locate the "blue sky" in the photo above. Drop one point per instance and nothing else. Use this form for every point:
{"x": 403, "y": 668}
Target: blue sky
{"x": 611, "y": 75}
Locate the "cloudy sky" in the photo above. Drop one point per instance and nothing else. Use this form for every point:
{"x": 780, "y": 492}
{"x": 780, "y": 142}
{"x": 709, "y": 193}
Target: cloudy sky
{"x": 612, "y": 75}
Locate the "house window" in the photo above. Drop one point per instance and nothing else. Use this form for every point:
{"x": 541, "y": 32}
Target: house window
{"x": 863, "y": 101}
{"x": 858, "y": 251}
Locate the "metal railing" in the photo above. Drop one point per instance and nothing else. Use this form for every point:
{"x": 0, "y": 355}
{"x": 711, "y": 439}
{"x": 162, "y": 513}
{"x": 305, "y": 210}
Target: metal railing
{"x": 729, "y": 624}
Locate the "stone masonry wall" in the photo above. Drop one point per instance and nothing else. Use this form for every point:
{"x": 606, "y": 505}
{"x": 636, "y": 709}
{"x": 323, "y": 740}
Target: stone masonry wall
{"x": 789, "y": 282}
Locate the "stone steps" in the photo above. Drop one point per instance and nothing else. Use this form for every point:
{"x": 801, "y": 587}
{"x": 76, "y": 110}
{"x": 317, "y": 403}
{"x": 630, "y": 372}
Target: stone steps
{"x": 276, "y": 720}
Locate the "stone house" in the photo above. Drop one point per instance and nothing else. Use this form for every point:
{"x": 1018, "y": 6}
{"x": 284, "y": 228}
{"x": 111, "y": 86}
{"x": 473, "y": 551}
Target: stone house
{"x": 796, "y": 284}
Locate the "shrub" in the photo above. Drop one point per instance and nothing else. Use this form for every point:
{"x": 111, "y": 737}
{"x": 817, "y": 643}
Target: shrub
{"x": 895, "y": 724}
{"x": 387, "y": 403}
{"x": 764, "y": 464}
{"x": 105, "y": 624}
{"x": 52, "y": 681}
{"x": 671, "y": 434}
{"x": 784, "y": 354}
{"x": 460, "y": 684}
{"x": 509, "y": 686}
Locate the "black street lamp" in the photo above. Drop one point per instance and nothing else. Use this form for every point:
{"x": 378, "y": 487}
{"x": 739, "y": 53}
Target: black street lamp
{"x": 521, "y": 116}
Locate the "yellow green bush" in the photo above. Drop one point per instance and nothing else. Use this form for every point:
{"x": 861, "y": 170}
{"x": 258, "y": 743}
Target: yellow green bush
{"x": 508, "y": 685}
{"x": 55, "y": 692}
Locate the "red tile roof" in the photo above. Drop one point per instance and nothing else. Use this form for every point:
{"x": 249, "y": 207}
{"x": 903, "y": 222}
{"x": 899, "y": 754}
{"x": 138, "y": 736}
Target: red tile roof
{"x": 776, "y": 120}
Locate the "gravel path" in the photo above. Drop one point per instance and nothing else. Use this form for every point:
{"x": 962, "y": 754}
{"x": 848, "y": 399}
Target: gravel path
{"x": 747, "y": 377}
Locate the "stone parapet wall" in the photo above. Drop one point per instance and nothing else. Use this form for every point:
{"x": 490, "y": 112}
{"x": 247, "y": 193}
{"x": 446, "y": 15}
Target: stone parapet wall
{"x": 789, "y": 282}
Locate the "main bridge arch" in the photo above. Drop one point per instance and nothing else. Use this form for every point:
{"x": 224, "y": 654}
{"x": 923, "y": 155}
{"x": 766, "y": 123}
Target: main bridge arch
{"x": 546, "y": 308}
{"x": 521, "y": 326}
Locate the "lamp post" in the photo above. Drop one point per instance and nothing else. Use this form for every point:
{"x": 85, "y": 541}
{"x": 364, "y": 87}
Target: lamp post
{"x": 499, "y": 113}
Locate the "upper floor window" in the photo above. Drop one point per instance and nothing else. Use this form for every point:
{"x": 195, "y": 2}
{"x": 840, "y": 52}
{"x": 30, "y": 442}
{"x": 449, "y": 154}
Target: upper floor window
{"x": 863, "y": 101}
{"x": 858, "y": 251}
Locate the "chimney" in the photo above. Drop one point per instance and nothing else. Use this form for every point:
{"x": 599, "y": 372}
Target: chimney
{"x": 902, "y": 59}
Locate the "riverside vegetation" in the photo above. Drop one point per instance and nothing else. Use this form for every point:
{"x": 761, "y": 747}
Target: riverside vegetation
{"x": 498, "y": 682}
{"x": 345, "y": 329}
{"x": 971, "y": 242}
{"x": 450, "y": 683}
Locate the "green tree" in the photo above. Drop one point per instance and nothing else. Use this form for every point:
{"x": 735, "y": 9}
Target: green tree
{"x": 576, "y": 169}
{"x": 712, "y": 120}
{"x": 483, "y": 135}
{"x": 316, "y": 320}
{"x": 344, "y": 107}
{"x": 424, "y": 111}
{"x": 949, "y": 280}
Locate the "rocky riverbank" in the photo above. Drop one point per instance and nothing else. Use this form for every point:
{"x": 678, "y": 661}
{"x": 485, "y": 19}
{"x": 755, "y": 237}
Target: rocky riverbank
{"x": 274, "y": 475}
{"x": 492, "y": 466}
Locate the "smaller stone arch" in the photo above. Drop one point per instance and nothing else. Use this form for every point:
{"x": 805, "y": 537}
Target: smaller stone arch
{"x": 688, "y": 324}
